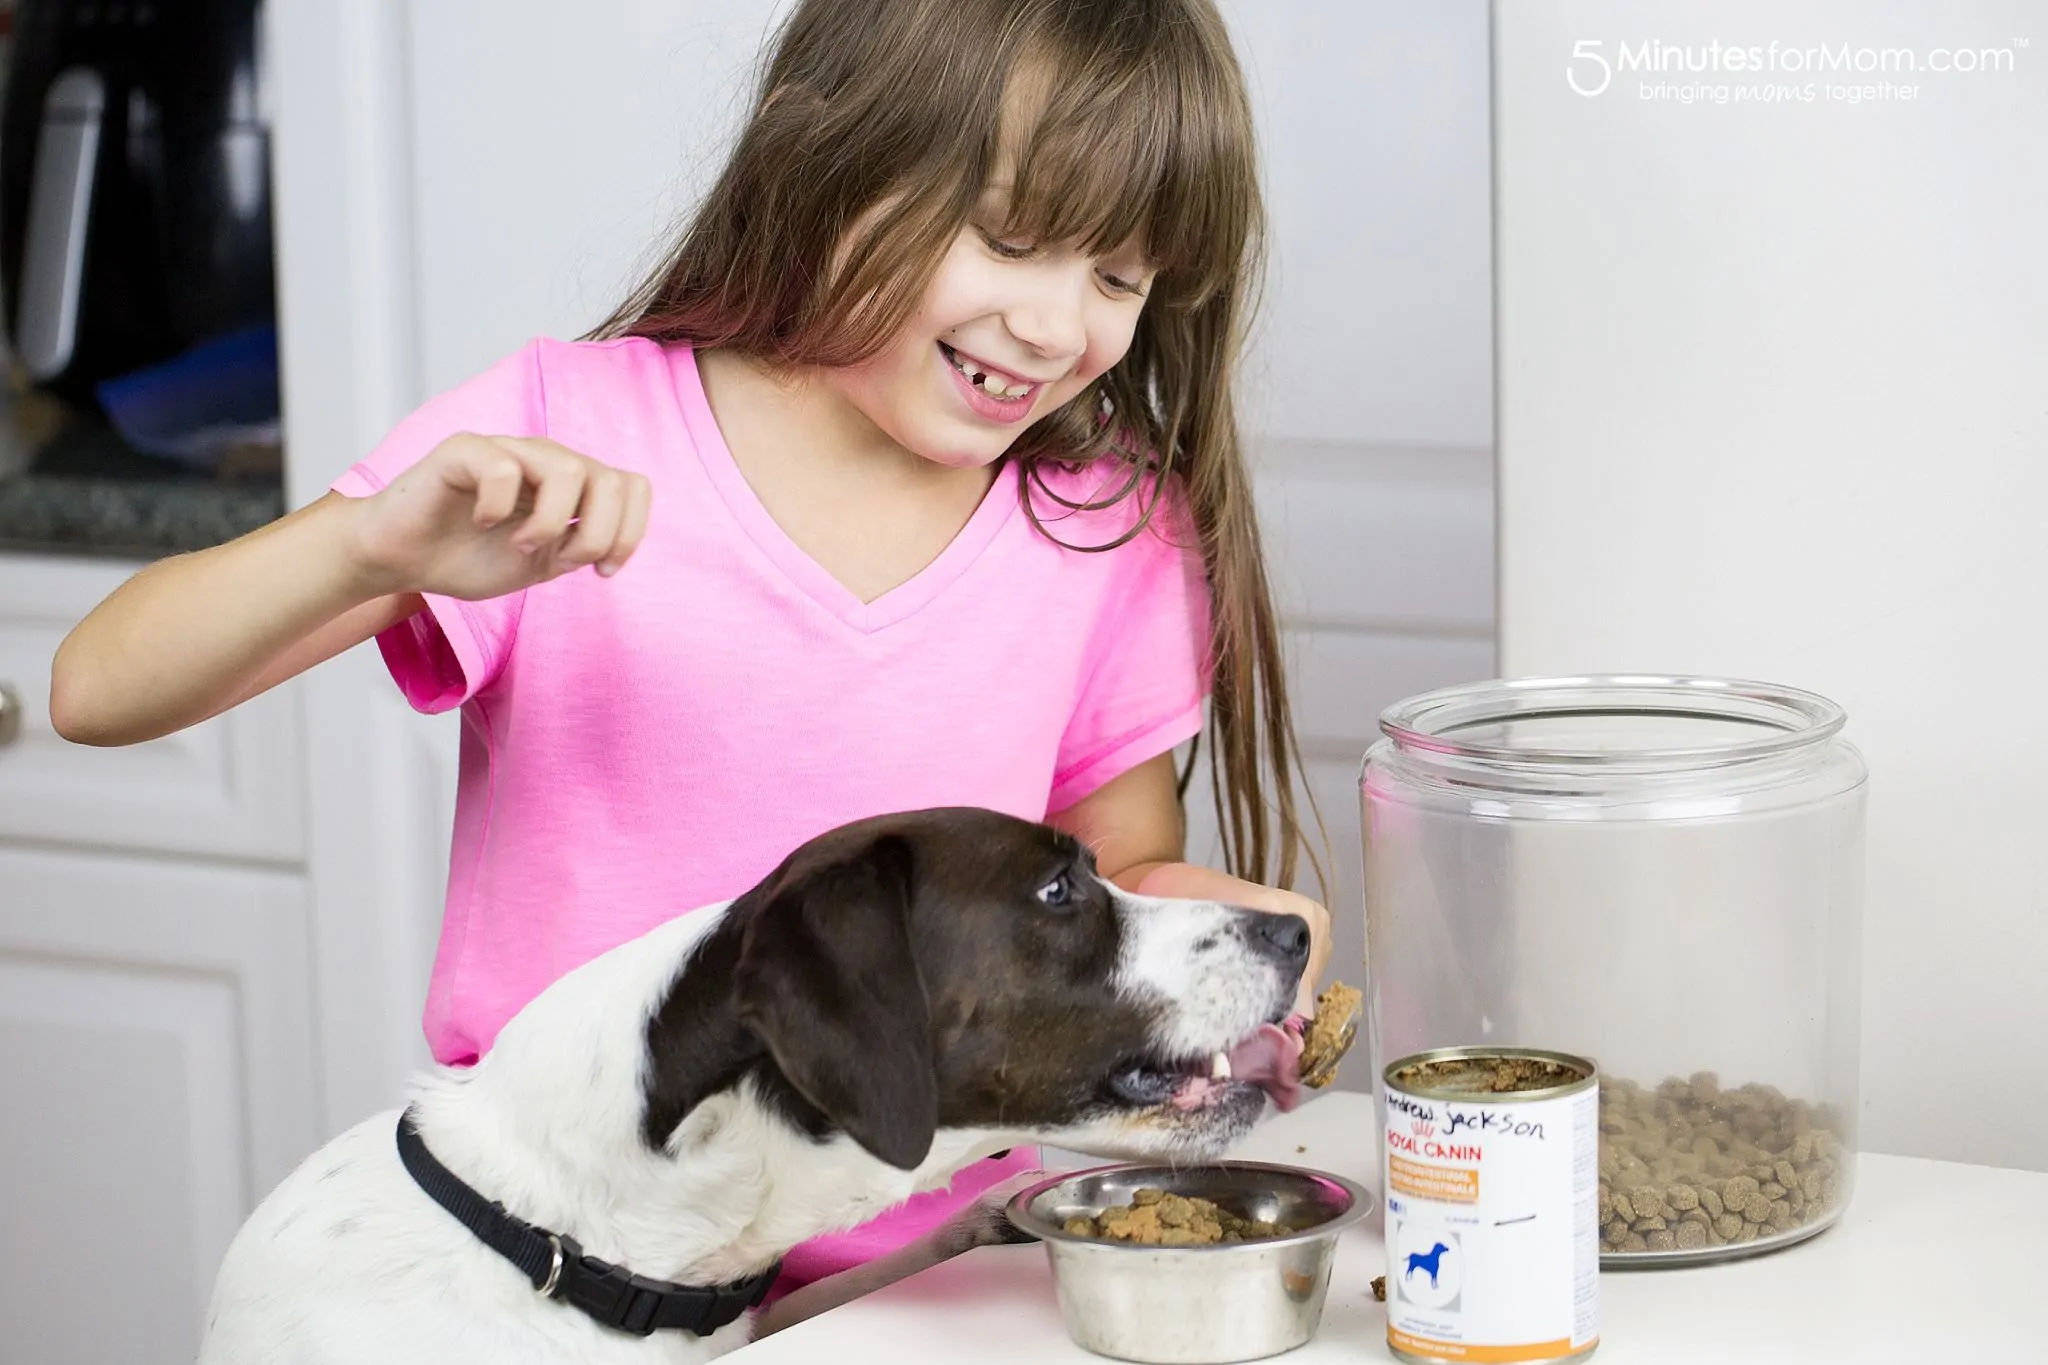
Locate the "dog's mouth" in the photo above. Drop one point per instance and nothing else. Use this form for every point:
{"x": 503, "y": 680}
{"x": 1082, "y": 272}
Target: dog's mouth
{"x": 1268, "y": 1059}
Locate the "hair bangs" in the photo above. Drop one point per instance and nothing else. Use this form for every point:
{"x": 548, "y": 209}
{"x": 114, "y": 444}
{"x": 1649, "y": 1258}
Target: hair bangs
{"x": 1141, "y": 140}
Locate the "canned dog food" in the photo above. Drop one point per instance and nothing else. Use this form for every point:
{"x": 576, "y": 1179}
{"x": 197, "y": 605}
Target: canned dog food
{"x": 1491, "y": 1173}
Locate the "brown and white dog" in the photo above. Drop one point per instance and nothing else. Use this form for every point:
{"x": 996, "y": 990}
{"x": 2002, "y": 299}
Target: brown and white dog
{"x": 901, "y": 997}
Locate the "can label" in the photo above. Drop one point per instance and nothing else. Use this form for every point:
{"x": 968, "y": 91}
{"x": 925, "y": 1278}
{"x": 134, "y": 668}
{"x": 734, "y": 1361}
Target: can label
{"x": 1493, "y": 1250}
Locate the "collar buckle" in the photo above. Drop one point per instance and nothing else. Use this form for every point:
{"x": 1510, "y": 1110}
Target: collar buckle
{"x": 547, "y": 1290}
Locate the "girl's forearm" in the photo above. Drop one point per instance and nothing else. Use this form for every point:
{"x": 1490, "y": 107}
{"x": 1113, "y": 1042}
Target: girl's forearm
{"x": 1194, "y": 882}
{"x": 193, "y": 635}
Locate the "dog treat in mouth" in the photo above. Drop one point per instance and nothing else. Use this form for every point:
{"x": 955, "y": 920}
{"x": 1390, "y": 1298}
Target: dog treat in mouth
{"x": 1688, "y": 1166}
{"x": 1330, "y": 1034}
{"x": 1156, "y": 1218}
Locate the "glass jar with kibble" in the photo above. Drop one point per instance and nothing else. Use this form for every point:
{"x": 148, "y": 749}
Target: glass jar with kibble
{"x": 1664, "y": 874}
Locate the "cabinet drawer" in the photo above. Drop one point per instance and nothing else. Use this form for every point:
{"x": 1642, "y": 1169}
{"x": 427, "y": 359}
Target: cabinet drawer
{"x": 228, "y": 788}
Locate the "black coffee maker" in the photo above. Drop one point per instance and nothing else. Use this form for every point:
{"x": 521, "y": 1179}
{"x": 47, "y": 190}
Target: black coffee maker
{"x": 134, "y": 184}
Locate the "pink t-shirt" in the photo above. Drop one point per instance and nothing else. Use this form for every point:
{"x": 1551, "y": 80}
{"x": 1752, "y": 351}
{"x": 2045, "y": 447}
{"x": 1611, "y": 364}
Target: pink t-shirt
{"x": 638, "y": 746}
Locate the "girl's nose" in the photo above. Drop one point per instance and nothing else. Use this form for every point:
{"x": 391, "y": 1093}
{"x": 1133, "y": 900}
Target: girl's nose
{"x": 1050, "y": 317}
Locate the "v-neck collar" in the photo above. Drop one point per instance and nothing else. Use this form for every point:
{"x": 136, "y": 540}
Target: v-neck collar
{"x": 996, "y": 508}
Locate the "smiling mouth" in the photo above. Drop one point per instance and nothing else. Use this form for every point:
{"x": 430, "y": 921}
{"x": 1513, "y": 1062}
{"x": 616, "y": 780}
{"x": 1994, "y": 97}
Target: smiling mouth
{"x": 1001, "y": 387}
{"x": 1268, "y": 1059}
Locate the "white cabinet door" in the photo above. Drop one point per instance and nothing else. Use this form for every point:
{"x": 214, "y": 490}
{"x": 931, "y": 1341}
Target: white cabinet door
{"x": 156, "y": 1078}
{"x": 230, "y": 787}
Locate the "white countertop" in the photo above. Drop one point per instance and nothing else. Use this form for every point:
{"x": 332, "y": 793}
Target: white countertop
{"x": 1933, "y": 1261}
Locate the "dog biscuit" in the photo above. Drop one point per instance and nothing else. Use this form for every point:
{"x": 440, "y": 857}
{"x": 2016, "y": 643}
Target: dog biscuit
{"x": 1330, "y": 1034}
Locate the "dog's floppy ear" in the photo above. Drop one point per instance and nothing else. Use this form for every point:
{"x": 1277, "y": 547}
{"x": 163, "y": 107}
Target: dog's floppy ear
{"x": 827, "y": 981}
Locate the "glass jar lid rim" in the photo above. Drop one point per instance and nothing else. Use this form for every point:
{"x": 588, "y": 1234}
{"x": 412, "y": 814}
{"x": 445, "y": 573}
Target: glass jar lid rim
{"x": 1794, "y": 719}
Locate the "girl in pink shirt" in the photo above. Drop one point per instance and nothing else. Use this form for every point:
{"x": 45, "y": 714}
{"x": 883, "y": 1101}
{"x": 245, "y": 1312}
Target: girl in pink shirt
{"x": 912, "y": 478}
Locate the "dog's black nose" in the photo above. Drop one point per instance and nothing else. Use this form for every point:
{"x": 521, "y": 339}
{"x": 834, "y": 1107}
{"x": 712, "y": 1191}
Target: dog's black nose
{"x": 1282, "y": 937}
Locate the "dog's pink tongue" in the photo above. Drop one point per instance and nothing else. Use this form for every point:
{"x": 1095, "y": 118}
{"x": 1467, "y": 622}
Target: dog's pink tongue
{"x": 1271, "y": 1059}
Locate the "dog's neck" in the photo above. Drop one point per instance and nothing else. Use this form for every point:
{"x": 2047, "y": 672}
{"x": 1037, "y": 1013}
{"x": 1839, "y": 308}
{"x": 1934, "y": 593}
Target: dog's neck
{"x": 552, "y": 1124}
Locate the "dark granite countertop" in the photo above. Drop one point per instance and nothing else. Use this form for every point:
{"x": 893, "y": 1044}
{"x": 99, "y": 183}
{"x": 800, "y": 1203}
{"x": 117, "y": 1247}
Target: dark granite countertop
{"x": 84, "y": 492}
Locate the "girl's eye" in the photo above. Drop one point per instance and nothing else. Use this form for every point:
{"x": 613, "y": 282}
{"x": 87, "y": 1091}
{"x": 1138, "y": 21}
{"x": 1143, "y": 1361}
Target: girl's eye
{"x": 1123, "y": 286}
{"x": 1009, "y": 251}
{"x": 1057, "y": 892}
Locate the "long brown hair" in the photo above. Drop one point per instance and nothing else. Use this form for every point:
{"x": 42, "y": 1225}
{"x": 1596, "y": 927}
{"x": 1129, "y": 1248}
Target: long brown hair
{"x": 875, "y": 129}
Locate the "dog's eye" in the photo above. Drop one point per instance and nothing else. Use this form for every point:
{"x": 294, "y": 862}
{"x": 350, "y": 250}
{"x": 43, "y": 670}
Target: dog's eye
{"x": 1058, "y": 891}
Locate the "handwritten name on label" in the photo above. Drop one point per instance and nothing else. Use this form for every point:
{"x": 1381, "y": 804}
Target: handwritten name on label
{"x": 1414, "y": 1109}
{"x": 1483, "y": 1119}
{"x": 1491, "y": 1121}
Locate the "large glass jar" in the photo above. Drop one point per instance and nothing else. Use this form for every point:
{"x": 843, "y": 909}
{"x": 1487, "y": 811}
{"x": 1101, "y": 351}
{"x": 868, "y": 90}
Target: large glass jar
{"x": 1664, "y": 874}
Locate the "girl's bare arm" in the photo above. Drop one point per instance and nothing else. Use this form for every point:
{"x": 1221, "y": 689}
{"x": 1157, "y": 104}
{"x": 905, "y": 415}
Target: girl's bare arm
{"x": 479, "y": 517}
{"x": 193, "y": 635}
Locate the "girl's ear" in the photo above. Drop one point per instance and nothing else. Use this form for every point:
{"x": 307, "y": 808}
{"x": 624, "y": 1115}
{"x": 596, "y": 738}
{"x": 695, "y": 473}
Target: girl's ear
{"x": 828, "y": 982}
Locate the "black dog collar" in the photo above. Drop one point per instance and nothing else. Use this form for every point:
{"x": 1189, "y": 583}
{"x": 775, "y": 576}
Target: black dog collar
{"x": 558, "y": 1268}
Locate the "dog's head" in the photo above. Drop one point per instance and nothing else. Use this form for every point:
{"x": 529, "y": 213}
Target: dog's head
{"x": 960, "y": 969}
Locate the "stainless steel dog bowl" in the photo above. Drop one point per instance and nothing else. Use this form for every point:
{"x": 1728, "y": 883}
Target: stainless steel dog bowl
{"x": 1203, "y": 1305}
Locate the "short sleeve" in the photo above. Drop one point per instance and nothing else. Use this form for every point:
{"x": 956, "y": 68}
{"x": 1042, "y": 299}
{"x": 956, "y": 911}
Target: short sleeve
{"x": 1148, "y": 672}
{"x": 448, "y": 653}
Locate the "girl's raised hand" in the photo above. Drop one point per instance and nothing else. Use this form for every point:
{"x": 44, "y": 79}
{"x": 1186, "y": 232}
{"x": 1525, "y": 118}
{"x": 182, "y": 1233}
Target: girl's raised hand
{"x": 482, "y": 516}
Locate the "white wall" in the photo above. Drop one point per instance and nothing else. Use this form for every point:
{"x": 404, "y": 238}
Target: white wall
{"x": 1373, "y": 124}
{"x": 1773, "y": 401}
{"x": 551, "y": 156}
{"x": 547, "y": 159}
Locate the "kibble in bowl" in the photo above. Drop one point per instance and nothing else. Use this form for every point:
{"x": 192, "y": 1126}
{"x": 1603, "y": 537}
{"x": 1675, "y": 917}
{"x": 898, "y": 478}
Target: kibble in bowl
{"x": 1156, "y": 1218}
{"x": 1191, "y": 1265}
